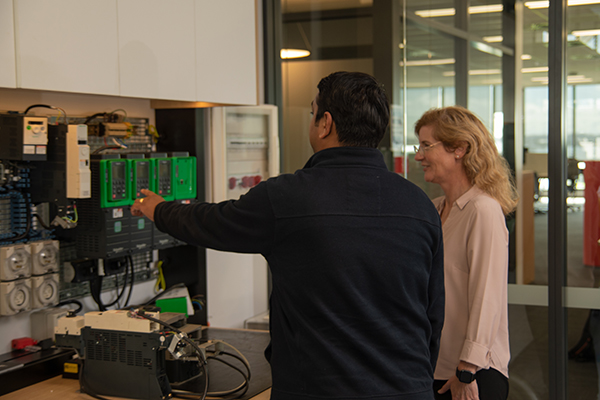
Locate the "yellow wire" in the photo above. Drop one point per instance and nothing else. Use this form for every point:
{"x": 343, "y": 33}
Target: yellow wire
{"x": 160, "y": 279}
{"x": 153, "y": 132}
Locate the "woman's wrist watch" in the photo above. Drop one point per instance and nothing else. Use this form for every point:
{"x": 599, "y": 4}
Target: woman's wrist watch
{"x": 465, "y": 376}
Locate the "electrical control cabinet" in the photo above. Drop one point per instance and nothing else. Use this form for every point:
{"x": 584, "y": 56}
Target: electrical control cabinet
{"x": 15, "y": 296}
{"x": 23, "y": 138}
{"x": 45, "y": 256}
{"x": 15, "y": 262}
{"x": 102, "y": 232}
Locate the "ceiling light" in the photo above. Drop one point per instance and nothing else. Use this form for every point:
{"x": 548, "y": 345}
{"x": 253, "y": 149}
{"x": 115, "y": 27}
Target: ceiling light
{"x": 441, "y": 12}
{"x": 590, "y": 32}
{"x": 492, "y": 39}
{"x": 418, "y": 63}
{"x": 287, "y": 54}
{"x": 570, "y": 79}
{"x": 532, "y": 5}
{"x": 491, "y": 8}
{"x": 448, "y": 12}
{"x": 534, "y": 69}
{"x": 525, "y": 57}
{"x": 475, "y": 72}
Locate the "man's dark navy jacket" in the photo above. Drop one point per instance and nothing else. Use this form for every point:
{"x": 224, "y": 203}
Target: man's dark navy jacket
{"x": 356, "y": 257}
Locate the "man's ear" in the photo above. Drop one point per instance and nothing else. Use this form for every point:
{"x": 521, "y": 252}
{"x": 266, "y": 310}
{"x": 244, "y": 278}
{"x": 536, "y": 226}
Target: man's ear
{"x": 326, "y": 125}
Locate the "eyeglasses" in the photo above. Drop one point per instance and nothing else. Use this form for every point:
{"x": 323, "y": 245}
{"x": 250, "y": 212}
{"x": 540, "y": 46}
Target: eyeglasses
{"x": 424, "y": 148}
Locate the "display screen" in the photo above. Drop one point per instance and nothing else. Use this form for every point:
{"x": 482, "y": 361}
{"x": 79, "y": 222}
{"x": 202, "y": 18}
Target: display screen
{"x": 142, "y": 171}
{"x": 164, "y": 170}
{"x": 118, "y": 171}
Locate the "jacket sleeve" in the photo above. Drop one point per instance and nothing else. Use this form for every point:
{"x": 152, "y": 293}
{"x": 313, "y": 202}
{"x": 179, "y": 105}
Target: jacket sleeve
{"x": 246, "y": 225}
{"x": 487, "y": 254}
{"x": 437, "y": 301}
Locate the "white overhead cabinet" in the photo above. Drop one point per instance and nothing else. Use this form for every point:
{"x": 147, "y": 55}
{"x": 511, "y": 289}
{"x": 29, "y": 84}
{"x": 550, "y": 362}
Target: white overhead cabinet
{"x": 157, "y": 54}
{"x": 8, "y": 75}
{"x": 184, "y": 50}
{"x": 67, "y": 45}
{"x": 226, "y": 51}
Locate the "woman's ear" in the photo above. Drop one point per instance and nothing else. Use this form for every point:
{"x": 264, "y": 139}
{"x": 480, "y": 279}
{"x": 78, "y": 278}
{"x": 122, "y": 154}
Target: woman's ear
{"x": 461, "y": 150}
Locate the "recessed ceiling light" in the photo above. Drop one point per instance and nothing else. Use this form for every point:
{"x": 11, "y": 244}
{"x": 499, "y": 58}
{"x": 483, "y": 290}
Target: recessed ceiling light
{"x": 287, "y": 54}
{"x": 418, "y": 63}
{"x": 448, "y": 12}
{"x": 526, "y": 57}
{"x": 589, "y": 32}
{"x": 492, "y": 39}
{"x": 532, "y": 5}
{"x": 534, "y": 69}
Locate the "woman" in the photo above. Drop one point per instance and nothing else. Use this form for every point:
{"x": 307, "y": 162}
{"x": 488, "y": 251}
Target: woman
{"x": 458, "y": 153}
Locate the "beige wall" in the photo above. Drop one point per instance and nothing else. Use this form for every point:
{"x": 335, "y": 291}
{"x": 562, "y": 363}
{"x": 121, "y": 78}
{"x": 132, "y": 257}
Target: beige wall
{"x": 300, "y": 79}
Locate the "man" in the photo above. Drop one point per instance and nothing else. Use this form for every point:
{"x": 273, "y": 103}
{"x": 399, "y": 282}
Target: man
{"x": 355, "y": 253}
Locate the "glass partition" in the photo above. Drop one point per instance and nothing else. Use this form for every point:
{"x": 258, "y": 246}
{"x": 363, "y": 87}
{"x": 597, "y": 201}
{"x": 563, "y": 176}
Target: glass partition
{"x": 491, "y": 56}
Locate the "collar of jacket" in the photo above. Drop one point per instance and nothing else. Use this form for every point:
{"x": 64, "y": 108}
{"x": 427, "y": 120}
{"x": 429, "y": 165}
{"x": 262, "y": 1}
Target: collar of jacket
{"x": 353, "y": 156}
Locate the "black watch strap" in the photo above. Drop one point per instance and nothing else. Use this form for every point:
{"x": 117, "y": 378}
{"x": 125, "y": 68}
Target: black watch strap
{"x": 465, "y": 376}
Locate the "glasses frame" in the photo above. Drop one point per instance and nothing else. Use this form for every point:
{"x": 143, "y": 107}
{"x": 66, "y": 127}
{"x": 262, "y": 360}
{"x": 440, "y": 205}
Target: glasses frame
{"x": 422, "y": 149}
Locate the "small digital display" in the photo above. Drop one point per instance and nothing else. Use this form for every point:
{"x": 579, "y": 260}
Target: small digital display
{"x": 164, "y": 170}
{"x": 118, "y": 171}
{"x": 142, "y": 171}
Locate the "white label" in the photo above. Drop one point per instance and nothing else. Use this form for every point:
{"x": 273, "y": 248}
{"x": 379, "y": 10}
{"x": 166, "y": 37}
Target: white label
{"x": 40, "y": 149}
{"x": 118, "y": 213}
{"x": 28, "y": 149}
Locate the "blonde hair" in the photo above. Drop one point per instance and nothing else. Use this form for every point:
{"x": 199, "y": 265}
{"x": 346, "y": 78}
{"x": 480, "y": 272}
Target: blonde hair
{"x": 485, "y": 167}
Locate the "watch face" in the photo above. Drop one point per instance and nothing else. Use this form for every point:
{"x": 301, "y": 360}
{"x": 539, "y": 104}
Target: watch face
{"x": 465, "y": 376}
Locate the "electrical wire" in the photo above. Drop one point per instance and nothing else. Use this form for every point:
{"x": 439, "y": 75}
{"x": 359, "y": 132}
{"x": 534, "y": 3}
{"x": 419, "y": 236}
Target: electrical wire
{"x": 50, "y": 107}
{"x": 67, "y": 302}
{"x": 42, "y": 223}
{"x": 160, "y": 284}
{"x": 201, "y": 358}
{"x": 109, "y": 147}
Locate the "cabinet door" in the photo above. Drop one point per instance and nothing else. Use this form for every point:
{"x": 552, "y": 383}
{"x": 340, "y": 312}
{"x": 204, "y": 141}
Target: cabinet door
{"x": 8, "y": 74}
{"x": 156, "y": 49}
{"x": 67, "y": 45}
{"x": 226, "y": 51}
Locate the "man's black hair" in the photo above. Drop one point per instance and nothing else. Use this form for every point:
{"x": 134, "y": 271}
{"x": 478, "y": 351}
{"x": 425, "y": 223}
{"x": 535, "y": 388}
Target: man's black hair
{"x": 358, "y": 106}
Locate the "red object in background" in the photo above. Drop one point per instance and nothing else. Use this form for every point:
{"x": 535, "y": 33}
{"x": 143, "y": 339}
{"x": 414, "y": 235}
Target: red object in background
{"x": 257, "y": 180}
{"x": 399, "y": 165}
{"x": 591, "y": 216}
{"x": 21, "y": 343}
{"x": 232, "y": 183}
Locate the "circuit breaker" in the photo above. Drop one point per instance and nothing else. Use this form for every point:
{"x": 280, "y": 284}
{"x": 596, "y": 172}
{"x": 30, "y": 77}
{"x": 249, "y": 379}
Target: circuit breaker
{"x": 23, "y": 138}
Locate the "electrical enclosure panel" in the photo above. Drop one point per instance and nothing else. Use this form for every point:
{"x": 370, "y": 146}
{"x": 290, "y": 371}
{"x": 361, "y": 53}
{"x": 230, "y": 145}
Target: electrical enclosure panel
{"x": 45, "y": 256}
{"x": 15, "y": 262}
{"x": 15, "y": 296}
{"x": 44, "y": 322}
{"x": 78, "y": 163}
{"x": 23, "y": 138}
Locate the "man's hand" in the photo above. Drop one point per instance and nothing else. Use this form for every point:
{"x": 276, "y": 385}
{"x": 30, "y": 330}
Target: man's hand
{"x": 146, "y": 205}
